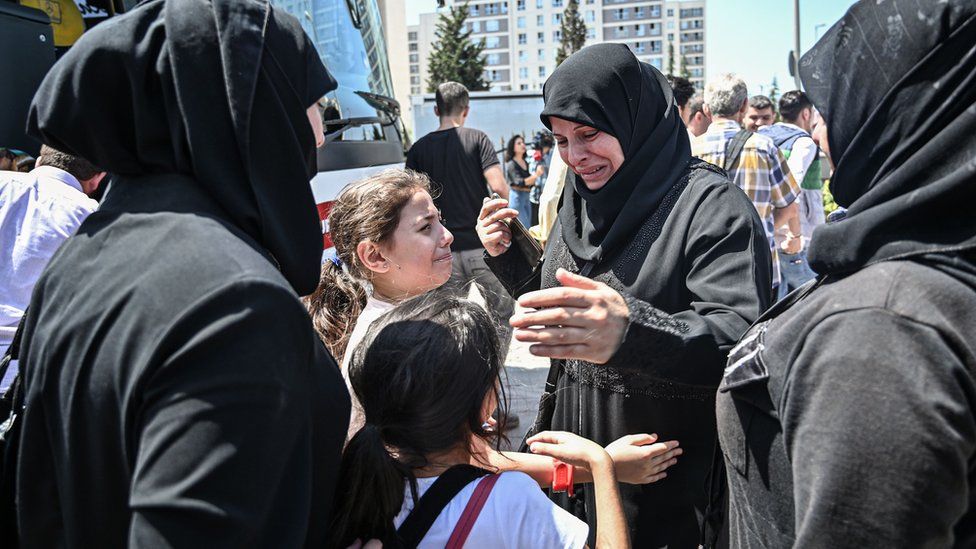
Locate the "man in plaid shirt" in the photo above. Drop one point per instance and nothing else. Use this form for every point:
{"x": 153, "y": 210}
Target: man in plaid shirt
{"x": 760, "y": 170}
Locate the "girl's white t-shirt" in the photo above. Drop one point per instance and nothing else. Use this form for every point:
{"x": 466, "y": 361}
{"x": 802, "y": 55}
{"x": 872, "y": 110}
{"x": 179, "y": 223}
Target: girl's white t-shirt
{"x": 517, "y": 514}
{"x": 374, "y": 309}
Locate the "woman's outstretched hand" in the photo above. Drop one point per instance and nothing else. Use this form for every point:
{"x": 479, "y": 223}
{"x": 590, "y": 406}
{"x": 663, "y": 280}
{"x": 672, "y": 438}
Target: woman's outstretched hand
{"x": 494, "y": 233}
{"x": 582, "y": 319}
{"x": 638, "y": 460}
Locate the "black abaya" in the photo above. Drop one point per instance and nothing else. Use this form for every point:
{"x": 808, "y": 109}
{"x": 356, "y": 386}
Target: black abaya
{"x": 686, "y": 250}
{"x": 694, "y": 277}
{"x": 176, "y": 393}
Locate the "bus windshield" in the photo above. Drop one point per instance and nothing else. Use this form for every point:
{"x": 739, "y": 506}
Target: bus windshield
{"x": 349, "y": 37}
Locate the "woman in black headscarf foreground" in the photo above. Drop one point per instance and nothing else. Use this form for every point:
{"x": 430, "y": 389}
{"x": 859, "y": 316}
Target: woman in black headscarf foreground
{"x": 663, "y": 265}
{"x": 847, "y": 415}
{"x": 176, "y": 393}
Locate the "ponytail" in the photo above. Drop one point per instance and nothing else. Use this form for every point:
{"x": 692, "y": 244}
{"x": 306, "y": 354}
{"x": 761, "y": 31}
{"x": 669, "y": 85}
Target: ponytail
{"x": 335, "y": 305}
{"x": 370, "y": 490}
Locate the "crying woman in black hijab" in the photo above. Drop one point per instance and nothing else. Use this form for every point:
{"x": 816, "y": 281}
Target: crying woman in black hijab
{"x": 656, "y": 267}
{"x": 170, "y": 367}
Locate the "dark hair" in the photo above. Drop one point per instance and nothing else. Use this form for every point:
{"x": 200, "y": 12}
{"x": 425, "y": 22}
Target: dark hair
{"x": 683, "y": 89}
{"x": 451, "y": 99}
{"x": 510, "y": 148}
{"x": 80, "y": 168}
{"x": 696, "y": 105}
{"x": 760, "y": 102}
{"x": 366, "y": 210}
{"x": 422, "y": 374}
{"x": 792, "y": 104}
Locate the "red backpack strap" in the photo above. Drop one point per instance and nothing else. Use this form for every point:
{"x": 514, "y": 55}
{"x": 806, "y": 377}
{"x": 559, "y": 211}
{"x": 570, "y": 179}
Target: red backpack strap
{"x": 471, "y": 512}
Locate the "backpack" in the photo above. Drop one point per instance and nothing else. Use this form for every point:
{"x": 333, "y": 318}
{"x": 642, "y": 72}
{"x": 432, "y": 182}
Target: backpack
{"x": 436, "y": 498}
{"x": 11, "y": 406}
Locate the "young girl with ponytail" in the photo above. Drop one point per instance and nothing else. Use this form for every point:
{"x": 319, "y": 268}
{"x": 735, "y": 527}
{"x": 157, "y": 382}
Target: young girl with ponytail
{"x": 390, "y": 246}
{"x": 427, "y": 375}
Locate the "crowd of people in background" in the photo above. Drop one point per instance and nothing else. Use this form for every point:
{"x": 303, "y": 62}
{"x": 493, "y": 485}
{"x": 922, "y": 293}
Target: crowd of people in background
{"x": 727, "y": 367}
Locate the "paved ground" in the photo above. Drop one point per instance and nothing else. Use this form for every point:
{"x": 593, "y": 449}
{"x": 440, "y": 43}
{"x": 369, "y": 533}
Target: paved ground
{"x": 526, "y": 378}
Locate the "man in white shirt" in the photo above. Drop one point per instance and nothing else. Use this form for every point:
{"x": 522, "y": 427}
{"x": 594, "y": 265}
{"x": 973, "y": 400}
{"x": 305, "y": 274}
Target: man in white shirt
{"x": 38, "y": 211}
{"x": 794, "y": 140}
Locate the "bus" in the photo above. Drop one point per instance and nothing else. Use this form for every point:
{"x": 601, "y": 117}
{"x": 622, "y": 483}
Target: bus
{"x": 364, "y": 131}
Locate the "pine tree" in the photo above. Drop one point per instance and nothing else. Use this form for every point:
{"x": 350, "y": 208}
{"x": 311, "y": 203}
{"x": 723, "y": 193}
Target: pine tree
{"x": 454, "y": 56}
{"x": 774, "y": 93}
{"x": 685, "y": 73}
{"x": 670, "y": 57}
{"x": 573, "y": 31}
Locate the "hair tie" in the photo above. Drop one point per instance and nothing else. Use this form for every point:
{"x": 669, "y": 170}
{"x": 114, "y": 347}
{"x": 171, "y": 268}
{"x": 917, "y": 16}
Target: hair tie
{"x": 336, "y": 260}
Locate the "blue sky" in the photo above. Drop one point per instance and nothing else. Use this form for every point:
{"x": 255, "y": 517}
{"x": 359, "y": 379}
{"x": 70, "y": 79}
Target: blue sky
{"x": 750, "y": 37}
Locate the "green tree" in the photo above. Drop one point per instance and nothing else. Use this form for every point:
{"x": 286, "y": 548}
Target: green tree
{"x": 573, "y": 31}
{"x": 454, "y": 56}
{"x": 685, "y": 73}
{"x": 774, "y": 95}
{"x": 670, "y": 57}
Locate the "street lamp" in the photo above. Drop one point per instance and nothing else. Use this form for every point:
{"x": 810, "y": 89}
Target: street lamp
{"x": 816, "y": 31}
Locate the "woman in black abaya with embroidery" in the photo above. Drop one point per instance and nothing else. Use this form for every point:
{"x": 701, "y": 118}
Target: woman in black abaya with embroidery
{"x": 656, "y": 267}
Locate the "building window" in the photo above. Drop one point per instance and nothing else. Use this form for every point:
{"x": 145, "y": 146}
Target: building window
{"x": 523, "y": 87}
{"x": 520, "y": 5}
{"x": 522, "y": 39}
{"x": 492, "y": 26}
{"x": 541, "y": 37}
{"x": 670, "y": 25}
{"x": 657, "y": 63}
{"x": 474, "y": 11}
{"x": 590, "y": 33}
{"x": 523, "y": 56}
{"x": 541, "y": 56}
{"x": 412, "y": 36}
{"x": 540, "y": 20}
{"x": 655, "y": 12}
{"x": 413, "y": 47}
{"x": 618, "y": 14}
{"x": 670, "y": 12}
{"x": 542, "y": 72}
{"x": 414, "y": 58}
{"x": 415, "y": 90}
{"x": 639, "y": 12}
{"x": 520, "y": 22}
{"x": 524, "y": 72}
{"x": 557, "y": 35}
{"x": 476, "y": 26}
{"x": 414, "y": 69}
{"x": 640, "y": 30}
{"x": 557, "y": 3}
{"x": 415, "y": 80}
{"x": 670, "y": 37}
{"x": 590, "y": 16}
{"x": 492, "y": 42}
{"x": 557, "y": 18}
{"x": 538, "y": 4}
{"x": 492, "y": 9}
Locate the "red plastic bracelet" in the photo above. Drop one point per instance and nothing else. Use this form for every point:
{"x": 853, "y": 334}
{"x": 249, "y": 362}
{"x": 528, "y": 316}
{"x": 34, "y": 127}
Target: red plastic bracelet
{"x": 562, "y": 477}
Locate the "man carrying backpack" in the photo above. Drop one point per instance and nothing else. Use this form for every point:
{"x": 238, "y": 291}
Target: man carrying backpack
{"x": 792, "y": 137}
{"x": 752, "y": 161}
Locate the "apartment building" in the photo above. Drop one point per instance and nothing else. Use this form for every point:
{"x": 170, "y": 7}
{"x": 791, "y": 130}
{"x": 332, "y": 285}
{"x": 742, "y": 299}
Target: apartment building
{"x": 522, "y": 37}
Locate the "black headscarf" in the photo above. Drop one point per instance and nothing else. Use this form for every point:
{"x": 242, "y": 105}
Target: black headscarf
{"x": 216, "y": 90}
{"x": 896, "y": 82}
{"x": 605, "y": 87}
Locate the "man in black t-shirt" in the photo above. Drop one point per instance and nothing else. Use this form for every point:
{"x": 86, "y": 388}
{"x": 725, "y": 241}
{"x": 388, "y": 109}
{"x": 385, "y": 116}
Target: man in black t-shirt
{"x": 464, "y": 167}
